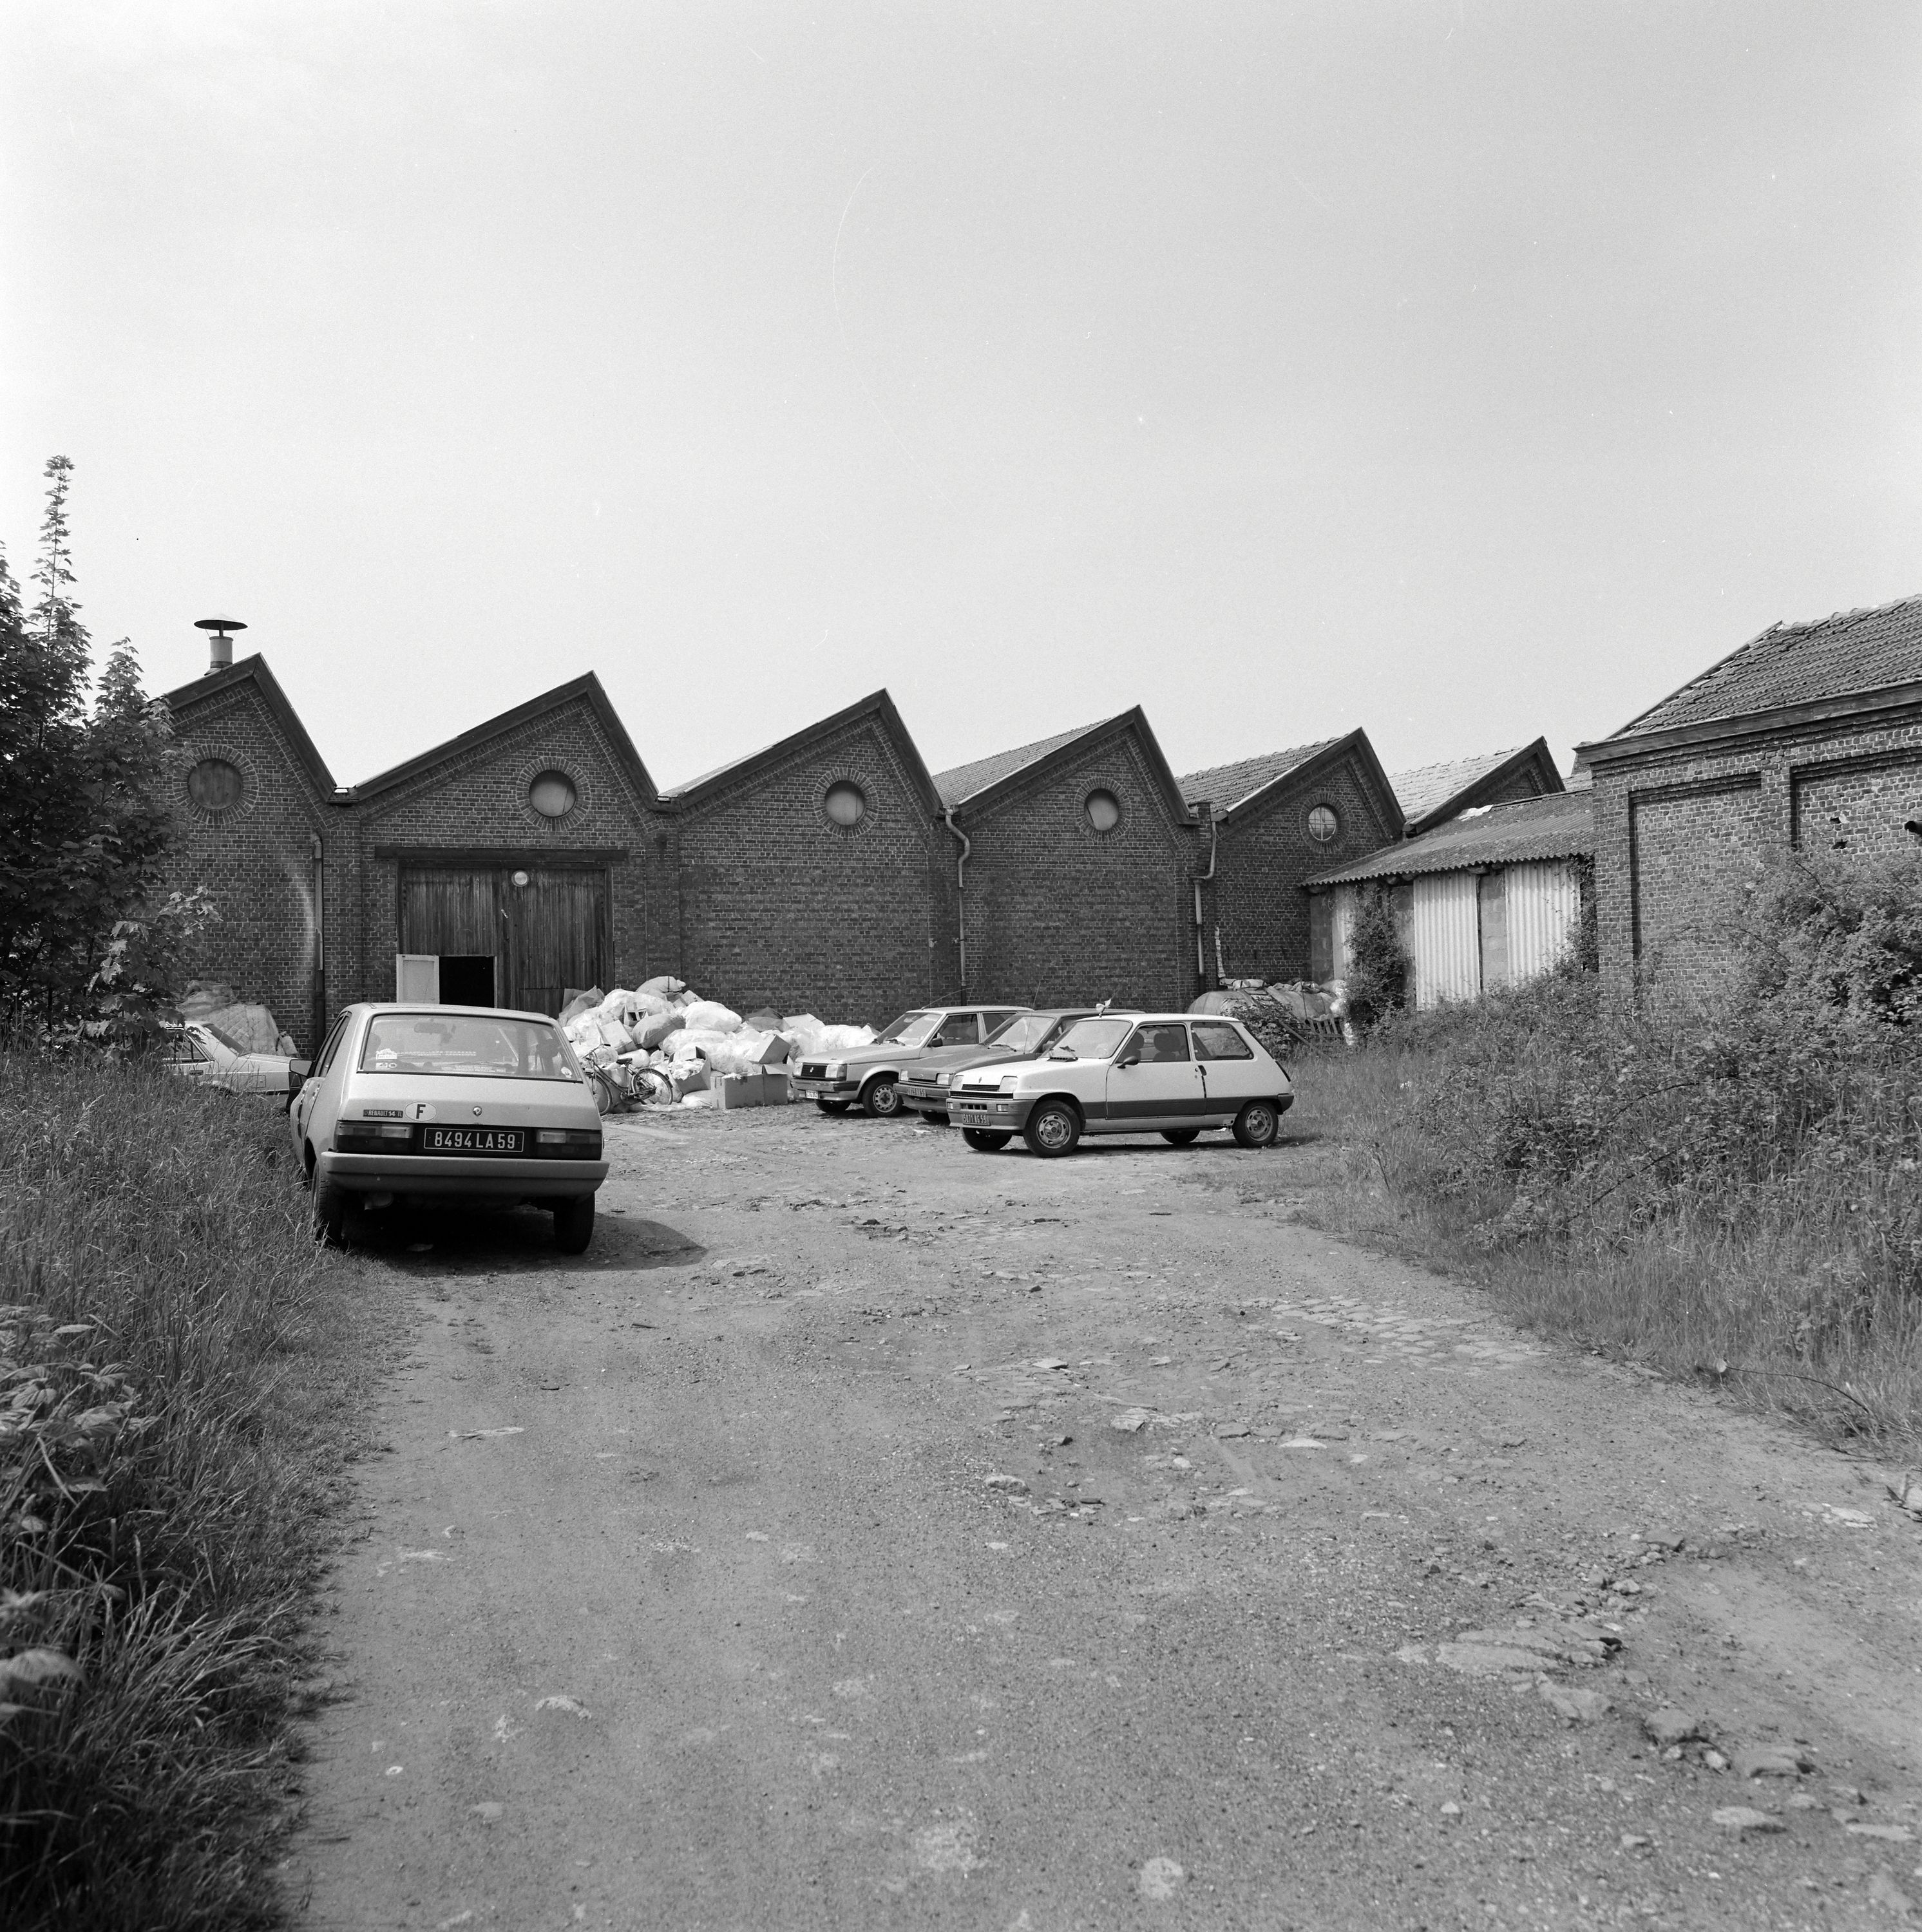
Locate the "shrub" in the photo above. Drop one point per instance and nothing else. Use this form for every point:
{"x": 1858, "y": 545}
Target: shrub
{"x": 1379, "y": 967}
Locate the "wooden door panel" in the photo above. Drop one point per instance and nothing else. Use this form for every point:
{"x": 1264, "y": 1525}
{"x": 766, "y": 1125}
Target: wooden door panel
{"x": 449, "y": 912}
{"x": 558, "y": 928}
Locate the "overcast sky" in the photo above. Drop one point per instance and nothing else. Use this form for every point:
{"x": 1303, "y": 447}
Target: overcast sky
{"x": 1461, "y": 371}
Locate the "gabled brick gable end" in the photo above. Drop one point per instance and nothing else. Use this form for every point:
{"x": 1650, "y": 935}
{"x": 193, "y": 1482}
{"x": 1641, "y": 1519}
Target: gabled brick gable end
{"x": 783, "y": 905}
{"x": 1057, "y": 911}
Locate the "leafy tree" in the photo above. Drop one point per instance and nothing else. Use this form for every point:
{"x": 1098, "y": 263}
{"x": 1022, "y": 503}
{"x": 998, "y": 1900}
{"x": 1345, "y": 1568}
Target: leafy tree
{"x": 1379, "y": 968}
{"x": 84, "y": 819}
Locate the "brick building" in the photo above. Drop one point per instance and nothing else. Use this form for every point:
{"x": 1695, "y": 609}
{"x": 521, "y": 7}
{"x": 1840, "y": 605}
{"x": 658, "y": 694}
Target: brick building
{"x": 828, "y": 872}
{"x": 1272, "y": 822}
{"x": 1431, "y": 795}
{"x": 1809, "y": 738}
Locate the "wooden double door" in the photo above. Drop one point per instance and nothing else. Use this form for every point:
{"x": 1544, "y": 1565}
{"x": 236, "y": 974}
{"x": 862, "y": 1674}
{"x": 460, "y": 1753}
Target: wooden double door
{"x": 521, "y": 936}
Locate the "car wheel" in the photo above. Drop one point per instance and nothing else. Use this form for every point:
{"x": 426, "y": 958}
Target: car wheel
{"x": 330, "y": 1211}
{"x": 1053, "y": 1128}
{"x": 832, "y": 1106}
{"x": 1181, "y": 1136}
{"x": 881, "y": 1098}
{"x": 574, "y": 1225}
{"x": 986, "y": 1140}
{"x": 1257, "y": 1124}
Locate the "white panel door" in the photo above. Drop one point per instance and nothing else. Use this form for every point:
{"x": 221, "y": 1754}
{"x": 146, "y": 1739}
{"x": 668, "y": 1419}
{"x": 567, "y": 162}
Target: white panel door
{"x": 417, "y": 977}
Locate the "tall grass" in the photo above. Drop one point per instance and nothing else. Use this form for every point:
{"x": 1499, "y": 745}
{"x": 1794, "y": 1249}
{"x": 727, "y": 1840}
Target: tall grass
{"x": 1733, "y": 1195}
{"x": 177, "y": 1380}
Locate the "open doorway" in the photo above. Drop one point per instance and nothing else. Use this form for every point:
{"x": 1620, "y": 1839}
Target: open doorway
{"x": 466, "y": 979}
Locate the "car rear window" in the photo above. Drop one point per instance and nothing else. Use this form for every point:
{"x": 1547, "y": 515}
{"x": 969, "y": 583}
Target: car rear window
{"x": 467, "y": 1043}
{"x": 1214, "y": 1040}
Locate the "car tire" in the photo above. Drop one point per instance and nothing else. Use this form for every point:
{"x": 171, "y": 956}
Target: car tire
{"x": 832, "y": 1106}
{"x": 1053, "y": 1128}
{"x": 574, "y": 1224}
{"x": 1181, "y": 1136}
{"x": 986, "y": 1140}
{"x": 330, "y": 1211}
{"x": 880, "y": 1099}
{"x": 1257, "y": 1125}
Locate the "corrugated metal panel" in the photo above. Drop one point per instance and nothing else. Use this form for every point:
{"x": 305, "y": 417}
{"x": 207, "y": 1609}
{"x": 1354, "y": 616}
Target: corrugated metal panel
{"x": 1445, "y": 938}
{"x": 1344, "y": 922}
{"x": 1544, "y": 902}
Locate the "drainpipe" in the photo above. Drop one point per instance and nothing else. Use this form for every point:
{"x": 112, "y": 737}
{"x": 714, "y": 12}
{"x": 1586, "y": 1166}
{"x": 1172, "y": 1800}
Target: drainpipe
{"x": 1201, "y": 879}
{"x": 960, "y": 894}
{"x": 319, "y": 944}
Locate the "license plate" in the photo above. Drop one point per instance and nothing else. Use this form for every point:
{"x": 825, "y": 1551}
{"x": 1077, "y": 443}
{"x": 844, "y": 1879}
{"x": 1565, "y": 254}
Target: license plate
{"x": 473, "y": 1140}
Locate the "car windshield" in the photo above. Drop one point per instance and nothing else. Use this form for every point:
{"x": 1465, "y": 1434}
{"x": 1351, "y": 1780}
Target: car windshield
{"x": 1026, "y": 1033}
{"x": 1094, "y": 1039}
{"x": 226, "y": 1039}
{"x": 910, "y": 1029}
{"x": 496, "y": 1049}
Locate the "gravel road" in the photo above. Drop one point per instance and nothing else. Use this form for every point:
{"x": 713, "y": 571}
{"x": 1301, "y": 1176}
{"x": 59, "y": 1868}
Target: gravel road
{"x": 868, "y": 1532}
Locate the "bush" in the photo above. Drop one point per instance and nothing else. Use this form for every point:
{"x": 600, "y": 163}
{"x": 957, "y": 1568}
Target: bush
{"x": 1379, "y": 967}
{"x": 172, "y": 1399}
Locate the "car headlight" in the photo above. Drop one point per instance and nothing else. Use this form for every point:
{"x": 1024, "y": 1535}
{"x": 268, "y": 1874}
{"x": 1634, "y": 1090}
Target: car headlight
{"x": 942, "y": 1079}
{"x": 835, "y": 1069}
{"x": 1006, "y": 1085}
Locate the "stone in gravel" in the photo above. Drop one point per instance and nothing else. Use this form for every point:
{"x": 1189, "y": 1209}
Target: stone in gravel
{"x": 1890, "y": 1896}
{"x": 1230, "y": 1428}
{"x": 1579, "y": 1707}
{"x": 1890, "y": 1834}
{"x": 1669, "y": 1726}
{"x": 1131, "y": 1421}
{"x": 1634, "y": 1841}
{"x": 1486, "y": 1660}
{"x": 1771, "y": 1761}
{"x": 1559, "y": 1645}
{"x": 1006, "y": 1485}
{"x": 1160, "y": 1879}
{"x": 1739, "y": 1820}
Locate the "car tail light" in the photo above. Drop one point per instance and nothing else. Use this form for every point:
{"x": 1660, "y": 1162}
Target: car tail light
{"x": 372, "y": 1136}
{"x": 568, "y": 1143}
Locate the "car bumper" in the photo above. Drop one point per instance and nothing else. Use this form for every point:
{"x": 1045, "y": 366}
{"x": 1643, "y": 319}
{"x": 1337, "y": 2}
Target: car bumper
{"x": 998, "y": 1113}
{"x": 922, "y": 1100}
{"x": 824, "y": 1090}
{"x": 449, "y": 1176}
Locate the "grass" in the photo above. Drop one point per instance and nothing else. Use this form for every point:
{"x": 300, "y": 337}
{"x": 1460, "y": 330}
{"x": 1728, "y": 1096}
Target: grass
{"x": 180, "y": 1367}
{"x": 1738, "y": 1203}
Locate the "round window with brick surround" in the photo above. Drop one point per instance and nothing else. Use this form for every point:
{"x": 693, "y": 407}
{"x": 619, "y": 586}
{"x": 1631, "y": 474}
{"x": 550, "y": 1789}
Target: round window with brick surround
{"x": 215, "y": 785}
{"x": 846, "y": 803}
{"x": 1104, "y": 810}
{"x": 1324, "y": 823}
{"x": 552, "y": 794}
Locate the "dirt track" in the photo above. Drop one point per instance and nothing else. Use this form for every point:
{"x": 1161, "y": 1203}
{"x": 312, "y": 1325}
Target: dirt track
{"x": 893, "y": 1535}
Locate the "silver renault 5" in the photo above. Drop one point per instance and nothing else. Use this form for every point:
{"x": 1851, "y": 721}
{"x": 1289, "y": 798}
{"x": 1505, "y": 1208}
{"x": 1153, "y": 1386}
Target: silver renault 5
{"x": 433, "y": 1106}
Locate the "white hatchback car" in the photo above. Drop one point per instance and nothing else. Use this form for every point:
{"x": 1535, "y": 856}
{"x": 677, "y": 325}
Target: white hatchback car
{"x": 1173, "y": 1074}
{"x": 431, "y": 1106}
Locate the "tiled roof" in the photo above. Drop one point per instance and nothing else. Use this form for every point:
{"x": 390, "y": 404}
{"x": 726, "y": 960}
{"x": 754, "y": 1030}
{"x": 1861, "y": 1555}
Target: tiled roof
{"x": 964, "y": 781}
{"x": 1224, "y": 787}
{"x": 1421, "y": 790}
{"x": 1800, "y": 664}
{"x": 1561, "y": 825}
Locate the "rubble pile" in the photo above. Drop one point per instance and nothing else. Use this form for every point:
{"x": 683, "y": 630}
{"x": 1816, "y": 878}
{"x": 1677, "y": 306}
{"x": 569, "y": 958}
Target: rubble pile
{"x": 661, "y": 1044}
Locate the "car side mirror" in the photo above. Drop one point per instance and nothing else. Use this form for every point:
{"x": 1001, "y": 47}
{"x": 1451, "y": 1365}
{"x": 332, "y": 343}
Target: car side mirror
{"x": 1133, "y": 1060}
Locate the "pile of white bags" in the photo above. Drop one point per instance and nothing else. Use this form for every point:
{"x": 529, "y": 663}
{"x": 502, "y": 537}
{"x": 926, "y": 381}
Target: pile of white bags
{"x": 661, "y": 1043}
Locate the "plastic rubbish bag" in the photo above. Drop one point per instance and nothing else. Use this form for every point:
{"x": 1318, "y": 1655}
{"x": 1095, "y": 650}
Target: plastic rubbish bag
{"x": 710, "y": 1016}
{"x": 581, "y": 1003}
{"x": 665, "y": 985}
{"x": 654, "y": 1030}
{"x": 843, "y": 1037}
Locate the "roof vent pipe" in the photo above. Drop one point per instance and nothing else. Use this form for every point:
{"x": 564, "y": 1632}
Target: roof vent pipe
{"x": 219, "y": 646}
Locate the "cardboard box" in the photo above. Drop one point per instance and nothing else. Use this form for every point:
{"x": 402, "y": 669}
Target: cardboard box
{"x": 751, "y": 1090}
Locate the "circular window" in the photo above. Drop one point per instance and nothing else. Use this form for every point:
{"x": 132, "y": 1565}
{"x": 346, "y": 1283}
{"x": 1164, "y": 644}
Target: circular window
{"x": 214, "y": 785}
{"x": 1104, "y": 810}
{"x": 845, "y": 803}
{"x": 552, "y": 794}
{"x": 1323, "y": 824}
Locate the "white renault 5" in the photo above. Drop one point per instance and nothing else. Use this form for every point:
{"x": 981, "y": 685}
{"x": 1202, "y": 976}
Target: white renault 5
{"x": 437, "y": 1106}
{"x": 1172, "y": 1074}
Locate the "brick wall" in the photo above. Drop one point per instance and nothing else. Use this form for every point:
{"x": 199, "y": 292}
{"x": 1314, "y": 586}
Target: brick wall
{"x": 1058, "y": 912}
{"x": 1681, "y": 831}
{"x": 477, "y": 799}
{"x": 781, "y": 906}
{"x": 254, "y": 857}
{"x": 1260, "y": 910}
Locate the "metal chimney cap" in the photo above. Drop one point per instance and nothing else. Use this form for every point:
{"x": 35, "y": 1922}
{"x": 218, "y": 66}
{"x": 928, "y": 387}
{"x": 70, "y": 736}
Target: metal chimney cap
{"x": 218, "y": 624}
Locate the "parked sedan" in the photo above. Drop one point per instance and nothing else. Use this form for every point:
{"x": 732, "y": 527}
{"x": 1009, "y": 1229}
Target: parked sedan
{"x": 1164, "y": 1073}
{"x": 924, "y": 1087}
{"x": 870, "y": 1075}
{"x": 208, "y": 1058}
{"x": 439, "y": 1106}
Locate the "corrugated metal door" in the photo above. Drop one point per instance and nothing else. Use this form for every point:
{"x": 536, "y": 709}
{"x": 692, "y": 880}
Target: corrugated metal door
{"x": 1446, "y": 938}
{"x": 557, "y": 938}
{"x": 1492, "y": 892}
{"x": 1544, "y": 901}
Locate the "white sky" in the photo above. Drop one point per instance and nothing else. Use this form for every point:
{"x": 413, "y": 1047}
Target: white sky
{"x": 1463, "y": 370}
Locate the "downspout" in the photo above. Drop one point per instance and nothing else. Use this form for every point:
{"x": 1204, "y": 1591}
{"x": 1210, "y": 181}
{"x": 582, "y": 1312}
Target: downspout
{"x": 960, "y": 894}
{"x": 319, "y": 943}
{"x": 1200, "y": 880}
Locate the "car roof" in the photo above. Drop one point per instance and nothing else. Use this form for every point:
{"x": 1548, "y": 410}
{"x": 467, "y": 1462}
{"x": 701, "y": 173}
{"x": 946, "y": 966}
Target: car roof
{"x": 377, "y": 1006}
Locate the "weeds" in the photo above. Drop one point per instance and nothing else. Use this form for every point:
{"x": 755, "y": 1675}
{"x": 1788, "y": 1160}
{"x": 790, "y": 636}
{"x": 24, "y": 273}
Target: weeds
{"x": 1732, "y": 1191}
{"x": 175, "y": 1376}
